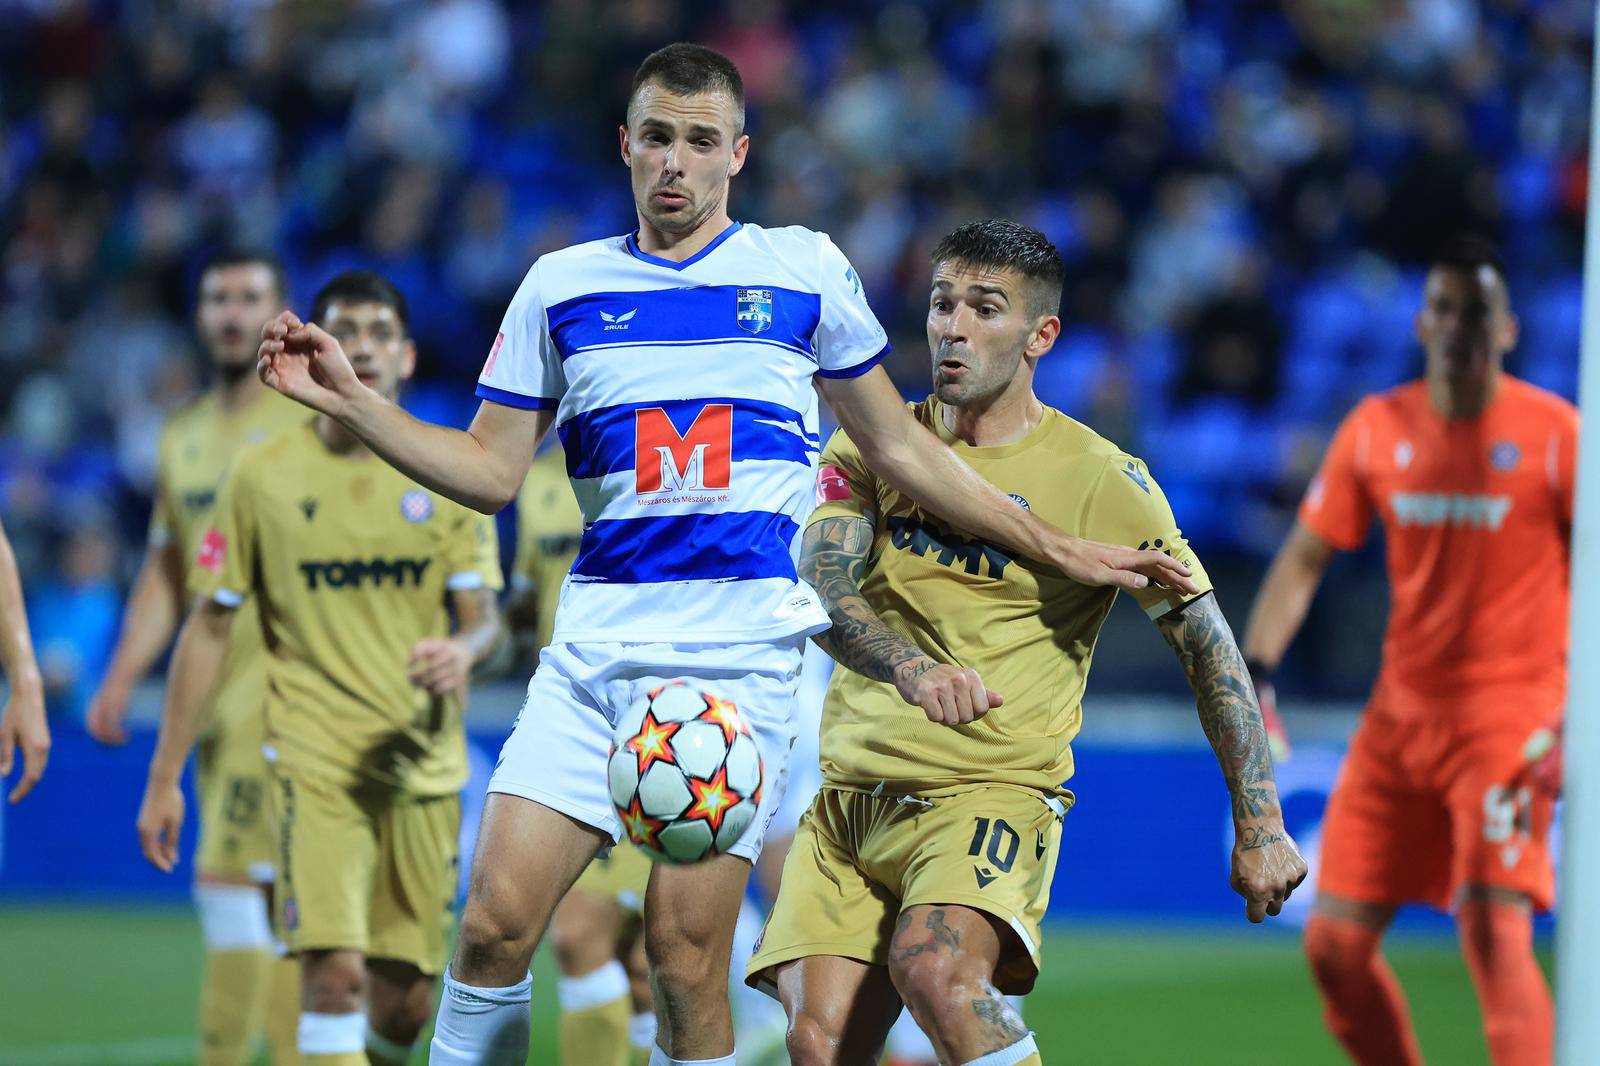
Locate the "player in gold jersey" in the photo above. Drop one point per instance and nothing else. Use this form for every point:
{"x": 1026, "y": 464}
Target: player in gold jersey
{"x": 245, "y": 983}
{"x": 922, "y": 870}
{"x": 603, "y": 990}
{"x": 357, "y": 571}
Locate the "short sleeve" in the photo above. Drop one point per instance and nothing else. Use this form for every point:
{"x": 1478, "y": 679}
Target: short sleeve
{"x": 163, "y": 521}
{"x": 524, "y": 367}
{"x": 845, "y": 487}
{"x": 473, "y": 553}
{"x": 225, "y": 562}
{"x": 849, "y": 339}
{"x": 1127, "y": 507}
{"x": 1337, "y": 507}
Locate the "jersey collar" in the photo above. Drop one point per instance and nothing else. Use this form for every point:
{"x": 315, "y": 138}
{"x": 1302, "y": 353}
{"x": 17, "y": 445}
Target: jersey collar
{"x": 638, "y": 253}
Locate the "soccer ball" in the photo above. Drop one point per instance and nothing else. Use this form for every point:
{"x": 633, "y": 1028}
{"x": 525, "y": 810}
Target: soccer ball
{"x": 685, "y": 774}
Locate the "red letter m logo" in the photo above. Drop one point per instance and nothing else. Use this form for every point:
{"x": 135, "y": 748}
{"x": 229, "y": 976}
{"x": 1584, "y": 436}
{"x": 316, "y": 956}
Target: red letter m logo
{"x": 699, "y": 459}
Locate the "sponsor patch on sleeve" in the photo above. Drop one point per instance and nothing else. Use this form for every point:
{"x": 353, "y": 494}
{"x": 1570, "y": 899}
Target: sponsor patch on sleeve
{"x": 213, "y": 548}
{"x": 494, "y": 353}
{"x": 832, "y": 484}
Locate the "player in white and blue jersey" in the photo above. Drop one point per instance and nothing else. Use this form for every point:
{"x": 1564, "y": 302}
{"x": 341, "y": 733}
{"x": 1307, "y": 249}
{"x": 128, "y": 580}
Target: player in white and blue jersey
{"x": 678, "y": 365}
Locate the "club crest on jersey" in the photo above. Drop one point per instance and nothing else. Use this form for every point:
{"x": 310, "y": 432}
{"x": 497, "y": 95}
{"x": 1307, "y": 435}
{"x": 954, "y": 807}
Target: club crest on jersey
{"x": 754, "y": 310}
{"x": 416, "y": 506}
{"x": 1504, "y": 456}
{"x": 668, "y": 464}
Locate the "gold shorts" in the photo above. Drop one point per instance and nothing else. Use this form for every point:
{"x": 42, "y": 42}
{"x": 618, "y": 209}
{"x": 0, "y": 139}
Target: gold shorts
{"x": 237, "y": 837}
{"x": 857, "y": 861}
{"x": 370, "y": 870}
{"x": 623, "y": 876}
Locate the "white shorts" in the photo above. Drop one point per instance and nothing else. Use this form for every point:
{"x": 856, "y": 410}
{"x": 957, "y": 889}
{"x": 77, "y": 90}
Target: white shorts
{"x": 557, "y": 751}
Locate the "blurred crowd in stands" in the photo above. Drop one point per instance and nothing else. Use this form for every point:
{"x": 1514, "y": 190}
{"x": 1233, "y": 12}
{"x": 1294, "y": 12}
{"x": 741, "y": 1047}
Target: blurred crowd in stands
{"x": 1245, "y": 192}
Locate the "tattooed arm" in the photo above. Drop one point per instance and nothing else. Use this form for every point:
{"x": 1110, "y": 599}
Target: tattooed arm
{"x": 833, "y": 558}
{"x": 1266, "y": 864}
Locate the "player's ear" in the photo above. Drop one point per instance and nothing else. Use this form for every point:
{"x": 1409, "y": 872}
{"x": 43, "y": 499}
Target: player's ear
{"x": 1510, "y": 330}
{"x": 408, "y": 361}
{"x": 1043, "y": 337}
{"x": 741, "y": 148}
{"x": 622, "y": 138}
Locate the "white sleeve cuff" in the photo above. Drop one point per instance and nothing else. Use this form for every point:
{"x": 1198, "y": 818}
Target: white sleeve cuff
{"x": 228, "y": 597}
{"x": 467, "y": 579}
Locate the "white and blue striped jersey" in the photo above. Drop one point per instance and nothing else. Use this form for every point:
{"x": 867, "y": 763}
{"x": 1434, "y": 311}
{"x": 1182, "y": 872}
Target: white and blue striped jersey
{"x": 683, "y": 397}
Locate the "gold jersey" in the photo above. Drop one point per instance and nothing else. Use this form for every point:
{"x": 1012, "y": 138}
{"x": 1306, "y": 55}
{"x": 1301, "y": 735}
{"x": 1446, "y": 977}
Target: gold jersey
{"x": 1027, "y": 629}
{"x": 549, "y": 527}
{"x": 197, "y": 443}
{"x": 350, "y": 562}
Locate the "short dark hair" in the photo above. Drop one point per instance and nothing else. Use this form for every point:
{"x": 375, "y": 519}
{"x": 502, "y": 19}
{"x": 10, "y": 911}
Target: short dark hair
{"x": 1469, "y": 253}
{"x": 1004, "y": 244}
{"x": 687, "y": 69}
{"x": 233, "y": 257}
{"x": 361, "y": 287}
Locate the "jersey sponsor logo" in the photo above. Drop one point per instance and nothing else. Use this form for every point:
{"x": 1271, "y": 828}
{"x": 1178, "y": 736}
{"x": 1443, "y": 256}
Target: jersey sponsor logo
{"x": 356, "y": 573}
{"x": 832, "y": 484}
{"x": 416, "y": 506}
{"x": 1019, "y": 501}
{"x": 1136, "y": 476}
{"x": 200, "y": 499}
{"x": 1504, "y": 456}
{"x": 699, "y": 459}
{"x": 1450, "y": 509}
{"x": 308, "y": 507}
{"x": 947, "y": 549}
{"x": 753, "y": 311}
{"x": 213, "y": 550}
{"x": 618, "y": 321}
{"x": 1403, "y": 454}
{"x": 494, "y": 353}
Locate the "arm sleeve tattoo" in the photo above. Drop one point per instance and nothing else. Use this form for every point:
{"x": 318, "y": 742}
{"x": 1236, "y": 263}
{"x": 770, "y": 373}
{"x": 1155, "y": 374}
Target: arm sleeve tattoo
{"x": 1227, "y": 703}
{"x": 833, "y": 556}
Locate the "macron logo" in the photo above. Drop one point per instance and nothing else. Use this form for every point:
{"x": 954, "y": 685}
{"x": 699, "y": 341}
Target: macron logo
{"x": 617, "y": 321}
{"x": 1452, "y": 509}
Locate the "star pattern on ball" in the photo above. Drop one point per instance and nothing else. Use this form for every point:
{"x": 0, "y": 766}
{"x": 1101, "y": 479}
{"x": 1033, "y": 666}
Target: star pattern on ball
{"x": 653, "y": 742}
{"x": 711, "y": 799}
{"x": 725, "y": 715}
{"x": 640, "y": 827}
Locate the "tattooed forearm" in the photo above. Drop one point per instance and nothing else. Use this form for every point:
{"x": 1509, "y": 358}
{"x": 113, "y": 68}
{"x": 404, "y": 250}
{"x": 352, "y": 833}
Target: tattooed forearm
{"x": 1227, "y": 702}
{"x": 1002, "y": 1026}
{"x": 833, "y": 557}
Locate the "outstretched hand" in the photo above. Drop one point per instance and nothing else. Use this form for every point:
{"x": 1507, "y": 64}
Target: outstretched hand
{"x": 302, "y": 361}
{"x": 1089, "y": 562}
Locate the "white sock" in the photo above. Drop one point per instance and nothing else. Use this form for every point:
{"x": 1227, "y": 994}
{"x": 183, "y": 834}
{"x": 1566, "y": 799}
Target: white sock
{"x": 233, "y": 917}
{"x": 481, "y": 1026}
{"x": 1008, "y": 1056}
{"x": 603, "y": 985}
{"x": 660, "y": 1058}
{"x": 642, "y": 1031}
{"x": 331, "y": 1034}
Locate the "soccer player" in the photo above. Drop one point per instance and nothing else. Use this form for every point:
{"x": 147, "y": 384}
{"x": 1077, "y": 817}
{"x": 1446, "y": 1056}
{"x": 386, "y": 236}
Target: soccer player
{"x": 357, "y": 571}
{"x": 246, "y": 984}
{"x": 679, "y": 362}
{"x": 1470, "y": 472}
{"x": 606, "y": 1015}
{"x": 922, "y": 871}
{"x": 22, "y": 720}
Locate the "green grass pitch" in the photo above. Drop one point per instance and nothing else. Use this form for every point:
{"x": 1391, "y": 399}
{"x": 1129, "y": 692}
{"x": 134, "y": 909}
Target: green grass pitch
{"x": 83, "y": 986}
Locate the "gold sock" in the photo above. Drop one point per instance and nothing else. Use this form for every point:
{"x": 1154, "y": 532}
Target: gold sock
{"x": 233, "y": 996}
{"x": 341, "y": 1058}
{"x": 1032, "y": 1060}
{"x": 598, "y": 1035}
{"x": 282, "y": 1019}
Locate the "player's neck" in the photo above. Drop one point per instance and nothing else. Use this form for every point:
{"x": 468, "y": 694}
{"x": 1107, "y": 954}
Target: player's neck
{"x": 1004, "y": 420}
{"x": 1456, "y": 400}
{"x": 236, "y": 391}
{"x": 339, "y": 440}
{"x": 677, "y": 247}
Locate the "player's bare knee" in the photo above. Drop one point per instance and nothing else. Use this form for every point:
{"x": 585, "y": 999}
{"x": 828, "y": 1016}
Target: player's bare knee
{"x": 584, "y": 933}
{"x": 811, "y": 1041}
{"x": 683, "y": 958}
{"x": 490, "y": 942}
{"x": 1335, "y": 958}
{"x": 332, "y": 982}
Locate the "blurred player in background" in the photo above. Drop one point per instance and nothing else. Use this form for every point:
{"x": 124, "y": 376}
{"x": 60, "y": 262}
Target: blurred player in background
{"x": 686, "y": 569}
{"x": 1444, "y": 797}
{"x": 603, "y": 990}
{"x": 246, "y": 983}
{"x": 922, "y": 871}
{"x": 357, "y": 571}
{"x": 22, "y": 720}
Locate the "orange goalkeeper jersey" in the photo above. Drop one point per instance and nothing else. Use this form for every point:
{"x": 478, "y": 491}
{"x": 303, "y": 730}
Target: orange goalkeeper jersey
{"x": 1476, "y": 515}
